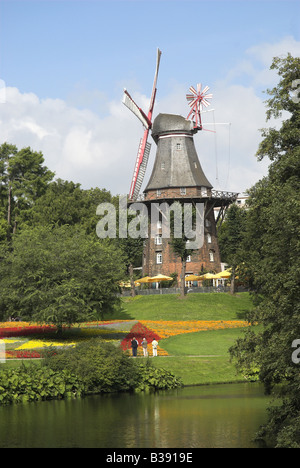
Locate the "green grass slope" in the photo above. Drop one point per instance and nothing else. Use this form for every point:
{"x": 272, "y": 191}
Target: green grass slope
{"x": 201, "y": 357}
{"x": 201, "y": 306}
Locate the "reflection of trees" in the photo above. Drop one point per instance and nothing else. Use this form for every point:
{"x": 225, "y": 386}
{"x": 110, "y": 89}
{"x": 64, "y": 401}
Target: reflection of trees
{"x": 185, "y": 418}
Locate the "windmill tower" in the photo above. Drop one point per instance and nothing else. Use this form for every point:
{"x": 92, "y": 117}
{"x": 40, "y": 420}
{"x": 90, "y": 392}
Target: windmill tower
{"x": 177, "y": 175}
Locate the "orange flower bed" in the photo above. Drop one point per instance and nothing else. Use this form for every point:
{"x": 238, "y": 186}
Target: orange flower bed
{"x": 165, "y": 329}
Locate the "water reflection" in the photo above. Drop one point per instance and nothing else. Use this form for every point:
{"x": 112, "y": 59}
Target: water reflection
{"x": 210, "y": 416}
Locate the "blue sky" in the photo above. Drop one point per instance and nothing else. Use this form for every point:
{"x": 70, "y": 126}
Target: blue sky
{"x": 65, "y": 64}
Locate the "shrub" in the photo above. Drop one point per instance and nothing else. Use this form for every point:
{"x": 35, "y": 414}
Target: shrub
{"x": 101, "y": 366}
{"x": 152, "y": 379}
{"x": 105, "y": 368}
{"x": 36, "y": 384}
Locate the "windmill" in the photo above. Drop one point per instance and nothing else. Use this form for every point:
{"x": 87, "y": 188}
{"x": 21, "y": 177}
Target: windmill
{"x": 197, "y": 100}
{"x": 144, "y": 146}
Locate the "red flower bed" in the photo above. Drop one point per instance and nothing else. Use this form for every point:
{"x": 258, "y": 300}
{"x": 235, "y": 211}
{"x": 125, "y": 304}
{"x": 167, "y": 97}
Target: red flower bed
{"x": 25, "y": 330}
{"x": 22, "y": 354}
{"x": 139, "y": 331}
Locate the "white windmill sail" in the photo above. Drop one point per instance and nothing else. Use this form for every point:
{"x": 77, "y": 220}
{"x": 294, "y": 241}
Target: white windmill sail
{"x": 144, "y": 147}
{"x": 129, "y": 102}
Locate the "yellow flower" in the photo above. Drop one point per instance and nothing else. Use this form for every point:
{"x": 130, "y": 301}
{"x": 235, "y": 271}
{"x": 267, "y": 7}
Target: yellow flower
{"x": 42, "y": 344}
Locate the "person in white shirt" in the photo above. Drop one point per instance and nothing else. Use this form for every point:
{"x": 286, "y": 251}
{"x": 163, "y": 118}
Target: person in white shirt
{"x": 154, "y": 347}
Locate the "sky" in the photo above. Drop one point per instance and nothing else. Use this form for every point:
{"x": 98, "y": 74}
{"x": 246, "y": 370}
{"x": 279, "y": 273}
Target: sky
{"x": 64, "y": 65}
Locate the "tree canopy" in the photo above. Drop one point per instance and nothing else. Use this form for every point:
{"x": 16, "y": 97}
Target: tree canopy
{"x": 23, "y": 179}
{"x": 60, "y": 275}
{"x": 272, "y": 252}
{"x": 53, "y": 267}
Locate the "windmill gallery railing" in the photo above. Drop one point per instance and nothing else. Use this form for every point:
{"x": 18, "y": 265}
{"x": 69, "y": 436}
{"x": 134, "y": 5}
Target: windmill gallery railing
{"x": 217, "y": 200}
{"x": 212, "y": 195}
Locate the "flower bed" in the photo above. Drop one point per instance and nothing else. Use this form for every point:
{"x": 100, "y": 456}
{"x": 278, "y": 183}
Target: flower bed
{"x": 22, "y": 355}
{"x": 170, "y": 328}
{"x": 140, "y": 331}
{"x": 8, "y": 329}
{"x": 120, "y": 332}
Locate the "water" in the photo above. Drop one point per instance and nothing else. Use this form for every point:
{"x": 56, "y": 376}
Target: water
{"x": 193, "y": 417}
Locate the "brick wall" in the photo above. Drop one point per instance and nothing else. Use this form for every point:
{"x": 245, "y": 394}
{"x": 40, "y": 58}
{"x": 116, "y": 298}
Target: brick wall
{"x": 207, "y": 257}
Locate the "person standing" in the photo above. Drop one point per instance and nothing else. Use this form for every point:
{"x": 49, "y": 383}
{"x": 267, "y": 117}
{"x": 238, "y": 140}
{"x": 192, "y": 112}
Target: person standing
{"x": 154, "y": 347}
{"x": 145, "y": 345}
{"x": 134, "y": 346}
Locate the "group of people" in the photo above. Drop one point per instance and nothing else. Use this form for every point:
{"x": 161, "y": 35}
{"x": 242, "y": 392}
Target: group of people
{"x": 135, "y": 344}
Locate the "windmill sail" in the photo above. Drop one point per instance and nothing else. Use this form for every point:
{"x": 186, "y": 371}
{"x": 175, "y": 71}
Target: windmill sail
{"x": 144, "y": 147}
{"x": 140, "y": 169}
{"x": 129, "y": 102}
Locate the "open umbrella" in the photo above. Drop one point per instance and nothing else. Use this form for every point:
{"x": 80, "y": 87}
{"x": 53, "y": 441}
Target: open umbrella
{"x": 142, "y": 280}
{"x": 223, "y": 274}
{"x": 158, "y": 278}
{"x": 125, "y": 285}
{"x": 192, "y": 278}
{"x": 208, "y": 276}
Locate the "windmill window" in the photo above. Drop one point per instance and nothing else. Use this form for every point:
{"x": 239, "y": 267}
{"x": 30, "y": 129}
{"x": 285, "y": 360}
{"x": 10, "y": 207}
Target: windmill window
{"x": 178, "y": 146}
{"x": 195, "y": 164}
{"x": 163, "y": 165}
{"x": 159, "y": 258}
{"x": 208, "y": 238}
{"x": 211, "y": 255}
{"x": 158, "y": 239}
{"x": 188, "y": 258}
{"x": 158, "y": 193}
{"x": 182, "y": 191}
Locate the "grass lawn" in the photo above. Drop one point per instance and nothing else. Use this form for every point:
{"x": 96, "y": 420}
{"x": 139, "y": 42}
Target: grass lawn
{"x": 202, "y": 357}
{"x": 196, "y": 306}
{"x": 206, "y": 343}
{"x": 199, "y": 370}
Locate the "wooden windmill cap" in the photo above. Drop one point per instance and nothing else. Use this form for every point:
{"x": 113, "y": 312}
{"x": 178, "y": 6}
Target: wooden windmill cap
{"x": 176, "y": 161}
{"x": 171, "y": 123}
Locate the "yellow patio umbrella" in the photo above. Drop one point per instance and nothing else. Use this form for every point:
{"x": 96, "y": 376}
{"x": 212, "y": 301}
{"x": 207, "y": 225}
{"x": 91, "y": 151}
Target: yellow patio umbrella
{"x": 142, "y": 280}
{"x": 125, "y": 285}
{"x": 158, "y": 278}
{"x": 192, "y": 278}
{"x": 223, "y": 274}
{"x": 208, "y": 276}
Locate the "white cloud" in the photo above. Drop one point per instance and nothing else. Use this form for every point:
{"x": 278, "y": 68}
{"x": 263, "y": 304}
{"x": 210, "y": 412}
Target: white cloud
{"x": 255, "y": 66}
{"x": 266, "y": 51}
{"x": 77, "y": 144}
{"x": 95, "y": 151}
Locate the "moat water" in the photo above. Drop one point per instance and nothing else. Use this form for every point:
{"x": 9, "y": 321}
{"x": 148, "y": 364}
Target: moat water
{"x": 214, "y": 416}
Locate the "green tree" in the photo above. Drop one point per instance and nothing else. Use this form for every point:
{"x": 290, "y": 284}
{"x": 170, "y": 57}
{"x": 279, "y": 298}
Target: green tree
{"x": 273, "y": 252}
{"x": 23, "y": 179}
{"x": 179, "y": 244}
{"x": 230, "y": 239}
{"x": 65, "y": 202}
{"x": 133, "y": 252}
{"x": 59, "y": 275}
